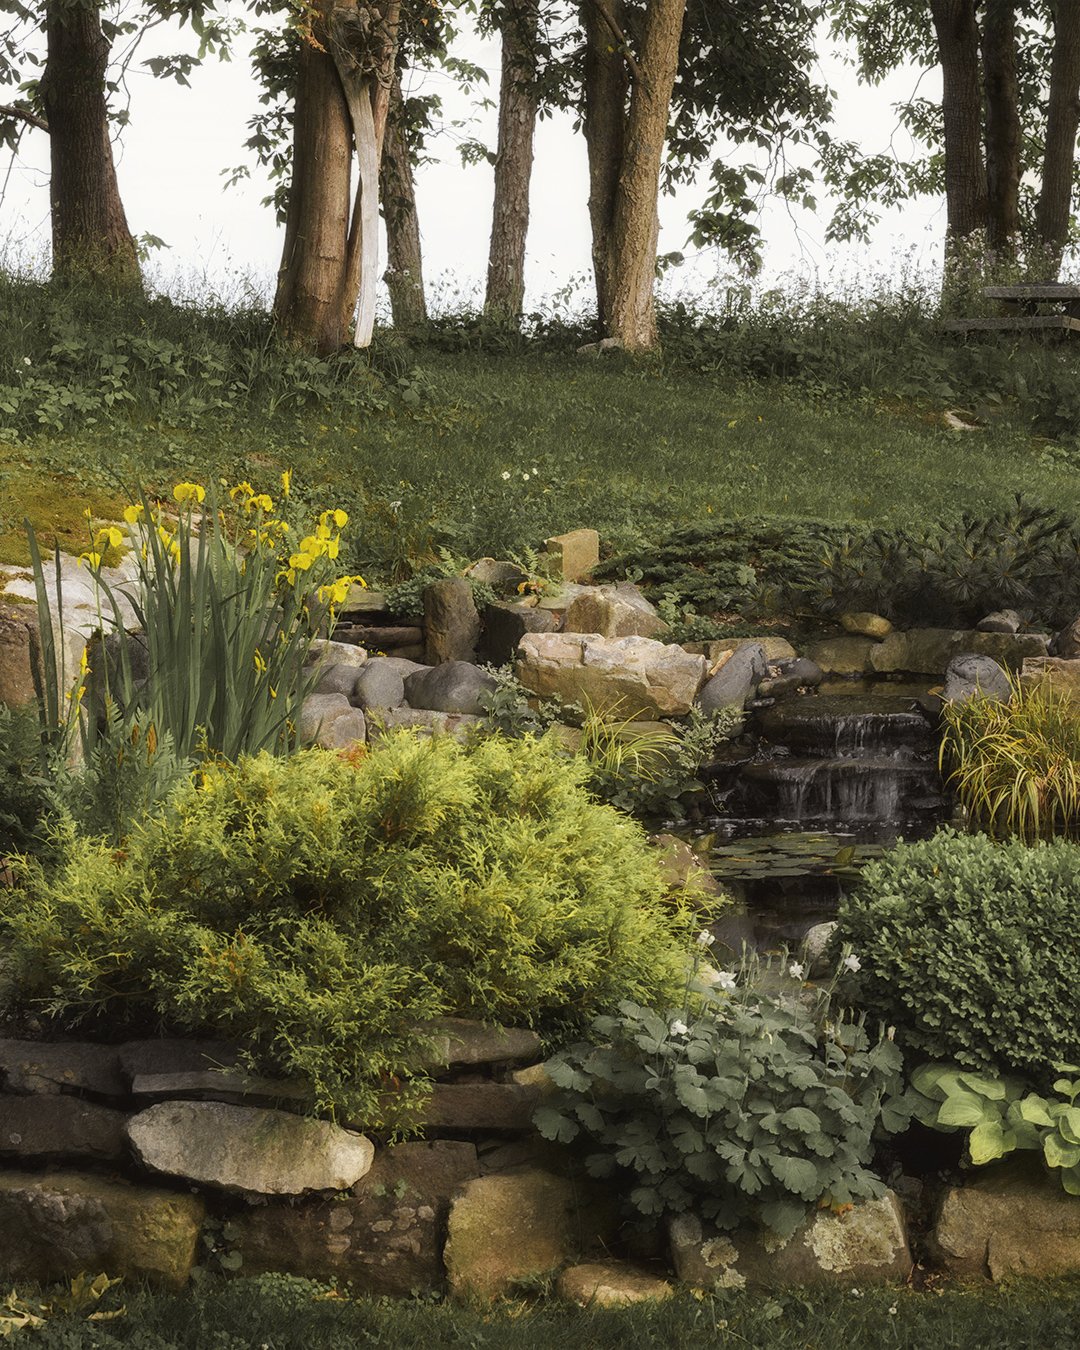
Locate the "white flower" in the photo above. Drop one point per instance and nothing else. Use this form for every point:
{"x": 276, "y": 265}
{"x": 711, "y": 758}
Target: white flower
{"x": 893, "y": 1310}
{"x": 725, "y": 979}
{"x": 535, "y": 472}
{"x": 26, "y": 361}
{"x": 524, "y": 477}
{"x": 796, "y": 970}
{"x": 852, "y": 962}
{"x": 678, "y": 1028}
{"x": 856, "y": 1293}
{"x": 506, "y": 475}
{"x": 705, "y": 938}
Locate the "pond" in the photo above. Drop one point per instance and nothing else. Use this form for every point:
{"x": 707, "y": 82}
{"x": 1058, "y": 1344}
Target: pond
{"x": 818, "y": 785}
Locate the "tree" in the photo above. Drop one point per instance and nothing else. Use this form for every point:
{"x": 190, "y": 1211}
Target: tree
{"x": 1062, "y": 118}
{"x": 70, "y": 102}
{"x": 518, "y": 105}
{"x": 405, "y": 264}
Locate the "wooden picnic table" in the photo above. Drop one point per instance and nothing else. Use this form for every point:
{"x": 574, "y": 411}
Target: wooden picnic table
{"x": 1028, "y": 304}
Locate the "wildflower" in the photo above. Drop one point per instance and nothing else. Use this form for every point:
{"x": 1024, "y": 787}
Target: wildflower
{"x": 852, "y": 962}
{"x": 84, "y": 662}
{"x": 26, "y": 361}
{"x": 133, "y": 513}
{"x": 260, "y": 502}
{"x": 260, "y": 662}
{"x": 726, "y": 980}
{"x": 678, "y": 1028}
{"x": 705, "y": 938}
{"x": 893, "y": 1310}
{"x": 286, "y": 483}
{"x": 506, "y": 475}
{"x": 189, "y": 492}
{"x": 524, "y": 477}
{"x": 797, "y": 970}
{"x": 92, "y": 560}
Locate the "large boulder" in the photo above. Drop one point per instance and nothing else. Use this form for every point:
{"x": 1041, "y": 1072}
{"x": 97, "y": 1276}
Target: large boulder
{"x": 969, "y": 677}
{"x": 928, "y": 651}
{"x": 57, "y": 1127}
{"x": 777, "y": 649}
{"x": 383, "y": 1238}
{"x": 865, "y": 624}
{"x": 634, "y": 676}
{"x": 315, "y": 725}
{"x": 384, "y": 721}
{"x": 61, "y": 1066}
{"x": 572, "y": 556}
{"x": 1060, "y": 674}
{"x": 1066, "y": 643}
{"x": 613, "y": 611}
{"x": 1014, "y": 1220}
{"x": 62, "y": 1224}
{"x": 19, "y": 654}
{"x": 865, "y": 1245}
{"x": 611, "y": 1284}
{"x": 514, "y": 1226}
{"x": 1001, "y": 621}
{"x": 381, "y": 683}
{"x": 451, "y": 621}
{"x": 842, "y": 655}
{"x": 241, "y": 1148}
{"x": 453, "y": 687}
{"x": 735, "y": 682}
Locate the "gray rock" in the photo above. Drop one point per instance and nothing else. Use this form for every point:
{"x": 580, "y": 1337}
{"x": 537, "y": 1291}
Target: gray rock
{"x": 736, "y": 680}
{"x": 1001, "y": 621}
{"x": 481, "y": 1106}
{"x": 231, "y": 1085}
{"x": 808, "y": 673}
{"x": 842, "y": 655}
{"x": 384, "y": 721}
{"x": 500, "y": 576}
{"x": 160, "y": 1056}
{"x": 1066, "y": 643}
{"x": 384, "y": 1239}
{"x": 19, "y": 652}
{"x": 393, "y": 637}
{"x": 865, "y": 624}
{"x": 774, "y": 686}
{"x": 343, "y": 732}
{"x": 451, "y": 622}
{"x": 60, "y": 1127}
{"x": 63, "y": 1224}
{"x": 381, "y": 684}
{"x": 613, "y": 611}
{"x": 866, "y": 1245}
{"x": 1052, "y": 672}
{"x": 318, "y": 714}
{"x": 241, "y": 1148}
{"x": 928, "y": 651}
{"x": 61, "y": 1066}
{"x": 815, "y": 944}
{"x": 453, "y": 687}
{"x": 634, "y": 676}
{"x": 324, "y": 652}
{"x": 337, "y": 679}
{"x": 777, "y": 649}
{"x": 968, "y": 677}
{"x": 506, "y": 623}
{"x": 1013, "y": 1220}
{"x": 461, "y": 1042}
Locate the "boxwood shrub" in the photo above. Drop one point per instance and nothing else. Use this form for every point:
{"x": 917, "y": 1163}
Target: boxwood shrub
{"x": 971, "y": 948}
{"x": 317, "y": 910}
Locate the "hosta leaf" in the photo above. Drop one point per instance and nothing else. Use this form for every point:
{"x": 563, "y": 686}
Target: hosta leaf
{"x": 984, "y": 1086}
{"x": 961, "y": 1107}
{"x": 1034, "y": 1110}
{"x": 935, "y": 1080}
{"x": 1059, "y": 1152}
{"x": 1068, "y": 1123}
{"x": 989, "y": 1142}
{"x": 1070, "y": 1180}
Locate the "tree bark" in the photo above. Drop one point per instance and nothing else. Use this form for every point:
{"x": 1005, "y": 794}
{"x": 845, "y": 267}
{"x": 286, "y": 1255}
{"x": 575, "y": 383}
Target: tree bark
{"x": 405, "y": 270}
{"x": 1002, "y": 126}
{"x": 312, "y": 304}
{"x": 965, "y": 175}
{"x": 632, "y": 321}
{"x": 1063, "y": 117}
{"x": 607, "y": 85}
{"x": 90, "y": 234}
{"x": 505, "y": 296}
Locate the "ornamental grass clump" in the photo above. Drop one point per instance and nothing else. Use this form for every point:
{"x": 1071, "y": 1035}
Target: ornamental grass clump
{"x": 318, "y": 910}
{"x": 969, "y": 948}
{"x": 1016, "y": 765}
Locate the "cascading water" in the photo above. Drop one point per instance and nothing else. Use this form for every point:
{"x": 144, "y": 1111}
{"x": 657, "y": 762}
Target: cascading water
{"x": 824, "y": 782}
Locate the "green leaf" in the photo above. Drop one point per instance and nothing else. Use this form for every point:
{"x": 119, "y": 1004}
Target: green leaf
{"x": 1070, "y": 1180}
{"x": 799, "y": 1175}
{"x": 555, "y": 1125}
{"x": 984, "y": 1086}
{"x": 1068, "y": 1123}
{"x": 802, "y": 1119}
{"x": 989, "y": 1141}
{"x": 1033, "y": 1109}
{"x": 1059, "y": 1152}
{"x": 964, "y": 1108}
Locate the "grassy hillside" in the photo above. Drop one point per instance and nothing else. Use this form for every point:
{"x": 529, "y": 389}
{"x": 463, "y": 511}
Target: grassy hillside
{"x": 477, "y": 442}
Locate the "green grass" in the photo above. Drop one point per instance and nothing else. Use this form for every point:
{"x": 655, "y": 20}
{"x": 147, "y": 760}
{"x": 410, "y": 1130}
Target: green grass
{"x": 283, "y": 1313}
{"x": 789, "y": 406}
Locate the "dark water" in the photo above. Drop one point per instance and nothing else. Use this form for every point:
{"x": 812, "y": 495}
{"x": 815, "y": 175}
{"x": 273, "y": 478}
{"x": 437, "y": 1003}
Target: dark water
{"x": 822, "y": 784}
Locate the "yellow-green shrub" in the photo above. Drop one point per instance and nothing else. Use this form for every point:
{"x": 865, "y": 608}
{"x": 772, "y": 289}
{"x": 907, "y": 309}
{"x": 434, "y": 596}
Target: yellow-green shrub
{"x": 317, "y": 910}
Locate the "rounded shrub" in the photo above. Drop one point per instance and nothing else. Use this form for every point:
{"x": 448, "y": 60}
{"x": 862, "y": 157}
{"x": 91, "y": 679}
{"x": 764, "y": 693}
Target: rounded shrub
{"x": 318, "y": 909}
{"x": 969, "y": 948}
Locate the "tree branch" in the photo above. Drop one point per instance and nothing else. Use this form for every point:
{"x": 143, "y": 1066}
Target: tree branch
{"x": 32, "y": 119}
{"x": 620, "y": 37}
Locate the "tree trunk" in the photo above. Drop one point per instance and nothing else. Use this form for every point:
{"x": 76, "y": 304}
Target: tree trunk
{"x": 1002, "y": 126}
{"x": 505, "y": 296}
{"x": 632, "y": 321}
{"x": 965, "y": 176}
{"x": 90, "y": 232}
{"x": 1063, "y": 117}
{"x": 405, "y": 272}
{"x": 312, "y": 304}
{"x": 607, "y": 84}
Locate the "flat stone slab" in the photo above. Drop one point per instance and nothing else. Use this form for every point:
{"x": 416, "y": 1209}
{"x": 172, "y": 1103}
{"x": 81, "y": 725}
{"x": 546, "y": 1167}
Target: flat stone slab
{"x": 636, "y": 676}
{"x": 217, "y": 1086}
{"x": 162, "y": 1056}
{"x": 459, "y": 1042}
{"x": 611, "y": 1284}
{"x": 481, "y": 1106}
{"x": 243, "y": 1148}
{"x": 928, "y": 651}
{"x": 61, "y": 1066}
{"x": 59, "y": 1126}
{"x": 65, "y": 1223}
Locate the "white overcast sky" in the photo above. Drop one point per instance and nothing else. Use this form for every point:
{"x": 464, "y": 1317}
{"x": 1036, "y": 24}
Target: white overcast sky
{"x": 171, "y": 158}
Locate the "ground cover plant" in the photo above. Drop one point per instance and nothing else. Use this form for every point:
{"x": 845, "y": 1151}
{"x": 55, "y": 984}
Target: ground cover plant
{"x": 318, "y": 908}
{"x": 968, "y": 948}
{"x": 751, "y": 1104}
{"x": 282, "y": 1312}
